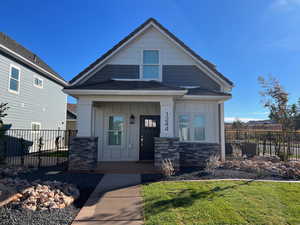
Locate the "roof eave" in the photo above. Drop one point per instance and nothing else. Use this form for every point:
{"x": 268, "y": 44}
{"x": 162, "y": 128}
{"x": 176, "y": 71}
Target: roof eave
{"x": 78, "y": 92}
{"x": 32, "y": 65}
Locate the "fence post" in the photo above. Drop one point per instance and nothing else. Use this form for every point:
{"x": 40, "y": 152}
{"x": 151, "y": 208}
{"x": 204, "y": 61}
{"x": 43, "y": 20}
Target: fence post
{"x": 23, "y": 151}
{"x": 40, "y": 151}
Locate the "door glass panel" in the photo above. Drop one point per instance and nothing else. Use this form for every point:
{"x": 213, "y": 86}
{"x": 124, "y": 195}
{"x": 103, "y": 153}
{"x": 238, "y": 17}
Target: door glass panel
{"x": 150, "y": 123}
{"x": 116, "y": 125}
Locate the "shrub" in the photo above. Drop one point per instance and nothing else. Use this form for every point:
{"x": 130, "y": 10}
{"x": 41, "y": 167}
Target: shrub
{"x": 212, "y": 163}
{"x": 167, "y": 168}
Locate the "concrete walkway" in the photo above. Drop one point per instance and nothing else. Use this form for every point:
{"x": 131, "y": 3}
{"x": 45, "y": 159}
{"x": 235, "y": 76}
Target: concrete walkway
{"x": 116, "y": 200}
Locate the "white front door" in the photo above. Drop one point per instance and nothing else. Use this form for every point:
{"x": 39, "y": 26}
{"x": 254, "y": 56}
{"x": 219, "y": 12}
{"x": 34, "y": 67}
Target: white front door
{"x": 115, "y": 137}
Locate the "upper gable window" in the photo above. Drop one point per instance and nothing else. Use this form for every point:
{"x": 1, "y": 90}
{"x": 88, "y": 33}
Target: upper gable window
{"x": 14, "y": 79}
{"x": 38, "y": 82}
{"x": 151, "y": 68}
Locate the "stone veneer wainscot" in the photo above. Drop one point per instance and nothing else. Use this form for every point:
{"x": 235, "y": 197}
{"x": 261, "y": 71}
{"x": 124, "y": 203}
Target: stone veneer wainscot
{"x": 83, "y": 153}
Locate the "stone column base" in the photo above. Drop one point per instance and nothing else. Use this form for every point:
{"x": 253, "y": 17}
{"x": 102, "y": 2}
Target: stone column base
{"x": 83, "y": 153}
{"x": 166, "y": 148}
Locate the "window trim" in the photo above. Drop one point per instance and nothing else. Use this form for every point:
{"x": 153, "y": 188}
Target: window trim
{"x": 159, "y": 65}
{"x": 10, "y": 77}
{"x": 191, "y": 116}
{"x": 37, "y": 77}
{"x": 122, "y": 130}
{"x": 36, "y": 123}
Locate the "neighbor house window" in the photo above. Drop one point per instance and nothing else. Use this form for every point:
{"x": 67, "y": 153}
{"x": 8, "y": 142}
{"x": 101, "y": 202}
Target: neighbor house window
{"x": 115, "y": 130}
{"x": 14, "y": 79}
{"x": 38, "y": 82}
{"x": 150, "y": 68}
{"x": 191, "y": 127}
{"x": 35, "y": 126}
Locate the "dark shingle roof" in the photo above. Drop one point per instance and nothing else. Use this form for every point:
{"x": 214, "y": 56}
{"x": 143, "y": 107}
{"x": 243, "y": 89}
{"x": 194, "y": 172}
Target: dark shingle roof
{"x": 19, "y": 49}
{"x": 206, "y": 62}
{"x": 126, "y": 85}
{"x": 201, "y": 91}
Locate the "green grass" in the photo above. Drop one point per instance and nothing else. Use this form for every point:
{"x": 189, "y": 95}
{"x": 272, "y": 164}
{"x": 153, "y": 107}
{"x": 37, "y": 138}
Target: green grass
{"x": 221, "y": 202}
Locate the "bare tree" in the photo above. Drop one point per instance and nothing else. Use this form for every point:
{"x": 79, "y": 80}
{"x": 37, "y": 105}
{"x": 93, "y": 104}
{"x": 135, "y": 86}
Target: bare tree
{"x": 275, "y": 98}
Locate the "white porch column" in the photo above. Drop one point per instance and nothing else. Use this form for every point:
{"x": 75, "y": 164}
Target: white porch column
{"x": 167, "y": 118}
{"x": 222, "y": 132}
{"x": 84, "y": 117}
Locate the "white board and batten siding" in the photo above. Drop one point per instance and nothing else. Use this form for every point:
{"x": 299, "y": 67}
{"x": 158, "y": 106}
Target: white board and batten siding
{"x": 170, "y": 54}
{"x": 129, "y": 149}
{"x": 46, "y": 105}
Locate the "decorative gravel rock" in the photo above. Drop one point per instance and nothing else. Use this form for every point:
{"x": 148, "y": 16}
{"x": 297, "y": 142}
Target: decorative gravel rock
{"x": 11, "y": 215}
{"x": 42, "y": 195}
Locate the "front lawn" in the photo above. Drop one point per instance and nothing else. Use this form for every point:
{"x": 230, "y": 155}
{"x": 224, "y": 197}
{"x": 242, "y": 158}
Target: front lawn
{"x": 221, "y": 202}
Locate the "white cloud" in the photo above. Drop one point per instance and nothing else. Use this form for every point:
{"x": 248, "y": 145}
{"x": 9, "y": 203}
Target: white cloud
{"x": 243, "y": 119}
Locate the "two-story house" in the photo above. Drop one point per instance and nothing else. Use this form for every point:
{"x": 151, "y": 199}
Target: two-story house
{"x": 150, "y": 97}
{"x": 31, "y": 88}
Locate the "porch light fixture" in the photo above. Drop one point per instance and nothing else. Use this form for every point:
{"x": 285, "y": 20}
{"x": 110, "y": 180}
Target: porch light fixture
{"x": 131, "y": 119}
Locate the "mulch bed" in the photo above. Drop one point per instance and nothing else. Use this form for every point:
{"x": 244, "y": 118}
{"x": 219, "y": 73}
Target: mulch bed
{"x": 85, "y": 182}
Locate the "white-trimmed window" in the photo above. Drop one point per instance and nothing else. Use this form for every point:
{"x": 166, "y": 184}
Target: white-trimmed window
{"x": 38, "y": 82}
{"x": 115, "y": 130}
{"x": 35, "y": 126}
{"x": 14, "y": 79}
{"x": 151, "y": 65}
{"x": 191, "y": 127}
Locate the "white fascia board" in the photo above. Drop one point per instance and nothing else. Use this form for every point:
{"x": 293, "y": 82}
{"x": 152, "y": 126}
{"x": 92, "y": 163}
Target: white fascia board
{"x": 124, "y": 92}
{"x": 206, "y": 98}
{"x": 34, "y": 65}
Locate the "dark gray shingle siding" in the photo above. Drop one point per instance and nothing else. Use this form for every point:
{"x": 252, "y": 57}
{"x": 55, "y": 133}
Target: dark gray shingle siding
{"x": 187, "y": 75}
{"x": 115, "y": 72}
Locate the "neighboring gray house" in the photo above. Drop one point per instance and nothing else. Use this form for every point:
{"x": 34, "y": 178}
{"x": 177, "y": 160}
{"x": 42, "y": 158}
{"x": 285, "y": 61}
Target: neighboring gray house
{"x": 150, "y": 97}
{"x": 31, "y": 88}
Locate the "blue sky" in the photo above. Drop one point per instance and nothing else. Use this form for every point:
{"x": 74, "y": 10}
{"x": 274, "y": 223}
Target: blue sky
{"x": 244, "y": 38}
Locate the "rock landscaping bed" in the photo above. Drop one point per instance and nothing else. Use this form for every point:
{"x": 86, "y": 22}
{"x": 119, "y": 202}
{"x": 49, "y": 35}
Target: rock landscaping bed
{"x": 258, "y": 167}
{"x": 43, "y": 196}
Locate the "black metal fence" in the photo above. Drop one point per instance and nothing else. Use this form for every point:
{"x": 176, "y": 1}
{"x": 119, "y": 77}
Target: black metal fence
{"x": 285, "y": 145}
{"x": 41, "y": 148}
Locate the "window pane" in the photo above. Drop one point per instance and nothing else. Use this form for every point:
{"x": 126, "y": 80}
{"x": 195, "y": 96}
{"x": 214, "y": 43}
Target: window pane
{"x": 184, "y": 131}
{"x": 38, "y": 82}
{"x": 151, "y": 57}
{"x": 116, "y": 122}
{"x": 151, "y": 72}
{"x": 115, "y": 137}
{"x": 198, "y": 121}
{"x": 15, "y": 73}
{"x": 35, "y": 126}
{"x": 199, "y": 128}
{"x": 14, "y": 85}
{"x": 199, "y": 134}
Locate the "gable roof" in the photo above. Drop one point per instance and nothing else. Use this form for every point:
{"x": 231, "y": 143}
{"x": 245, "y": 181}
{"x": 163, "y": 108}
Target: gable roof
{"x": 11, "y": 47}
{"x": 171, "y": 35}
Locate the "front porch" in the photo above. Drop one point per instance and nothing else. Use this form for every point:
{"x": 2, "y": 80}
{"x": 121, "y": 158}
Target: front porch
{"x": 116, "y": 132}
{"x": 126, "y": 126}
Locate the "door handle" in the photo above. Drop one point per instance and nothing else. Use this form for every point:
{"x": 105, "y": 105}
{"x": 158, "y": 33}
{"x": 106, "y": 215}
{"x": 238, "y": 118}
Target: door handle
{"x": 142, "y": 140}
